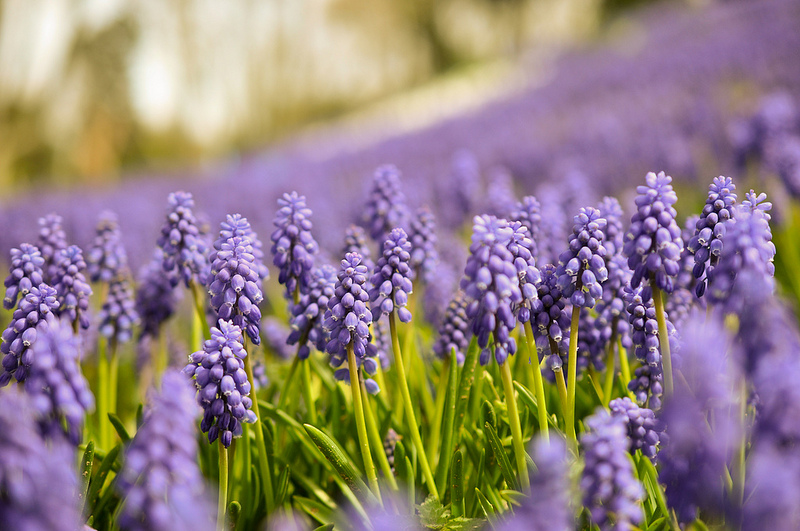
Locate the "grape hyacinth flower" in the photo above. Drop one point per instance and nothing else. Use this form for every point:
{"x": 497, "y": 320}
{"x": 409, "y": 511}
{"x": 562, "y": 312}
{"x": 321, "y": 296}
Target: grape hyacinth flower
{"x": 38, "y": 486}
{"x": 454, "y": 332}
{"x": 293, "y": 246}
{"x": 382, "y": 339}
{"x": 706, "y": 244}
{"x": 528, "y": 212}
{"x": 26, "y": 272}
{"x": 550, "y": 318}
{"x": 643, "y": 426}
{"x": 613, "y": 232}
{"x": 422, "y": 235}
{"x": 222, "y": 386}
{"x": 106, "y": 256}
{"x": 160, "y": 483}
{"x": 458, "y": 193}
{"x": 391, "y": 279}
{"x": 59, "y": 393}
{"x": 155, "y": 298}
{"x": 307, "y": 315}
{"x": 234, "y": 288}
{"x": 437, "y": 295}
{"x": 184, "y": 246}
{"x": 611, "y": 493}
{"x": 71, "y": 286}
{"x": 118, "y": 314}
{"x": 52, "y": 239}
{"x": 355, "y": 241}
{"x": 581, "y": 269}
{"x": 499, "y": 200}
{"x": 33, "y": 314}
{"x": 237, "y": 225}
{"x": 386, "y": 205}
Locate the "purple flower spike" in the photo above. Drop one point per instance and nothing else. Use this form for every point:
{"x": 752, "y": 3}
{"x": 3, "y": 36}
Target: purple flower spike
{"x": 307, "y": 315}
{"x": 391, "y": 279}
{"x": 32, "y": 316}
{"x": 293, "y": 246}
{"x": 355, "y": 241}
{"x": 454, "y": 332}
{"x": 106, "y": 257}
{"x": 754, "y": 201}
{"x": 25, "y": 272}
{"x": 184, "y": 247}
{"x": 744, "y": 274}
{"x": 613, "y": 233}
{"x": 222, "y": 386}
{"x": 706, "y": 244}
{"x": 155, "y": 298}
{"x": 643, "y": 427}
{"x": 118, "y": 314}
{"x": 386, "y": 205}
{"x": 52, "y": 239}
{"x": 71, "y": 286}
{"x": 528, "y": 212}
{"x": 237, "y": 225}
{"x": 382, "y": 339}
{"x": 582, "y": 268}
{"x": 653, "y": 242}
{"x": 422, "y": 235}
{"x": 347, "y": 319}
{"x": 59, "y": 392}
{"x": 235, "y": 286}
{"x": 491, "y": 282}
{"x": 38, "y": 484}
{"x": 611, "y": 493}
{"x": 160, "y": 483}
{"x": 549, "y": 318}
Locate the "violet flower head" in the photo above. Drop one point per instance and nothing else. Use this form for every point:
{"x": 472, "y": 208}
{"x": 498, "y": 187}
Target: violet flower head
{"x": 581, "y": 268}
{"x": 106, "y": 257}
{"x": 391, "y": 278}
{"x": 528, "y": 212}
{"x": 118, "y": 315}
{"x": 613, "y": 232}
{"x": 521, "y": 247}
{"x": 454, "y": 332}
{"x": 32, "y": 316}
{"x": 237, "y": 225}
{"x": 611, "y": 315}
{"x": 745, "y": 272}
{"x": 223, "y": 390}
{"x": 25, "y": 272}
{"x": 611, "y": 493}
{"x": 706, "y": 244}
{"x": 382, "y": 339}
{"x": 499, "y": 200}
{"x": 653, "y": 242}
{"x": 38, "y": 486}
{"x": 59, "y": 393}
{"x": 386, "y": 205}
{"x": 52, "y": 239}
{"x": 71, "y": 286}
{"x": 772, "y": 489}
{"x": 184, "y": 247}
{"x": 160, "y": 483}
{"x": 293, "y": 246}
{"x": 491, "y": 283}
{"x": 642, "y": 425}
{"x": 155, "y": 298}
{"x": 355, "y": 241}
{"x": 347, "y": 320}
{"x": 458, "y": 193}
{"x": 549, "y": 318}
{"x": 235, "y": 284}
{"x": 437, "y": 295}
{"x": 753, "y": 201}
{"x": 307, "y": 315}
{"x": 422, "y": 235}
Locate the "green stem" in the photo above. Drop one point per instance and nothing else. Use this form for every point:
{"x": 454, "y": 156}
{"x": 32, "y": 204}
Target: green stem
{"x": 441, "y": 395}
{"x": 663, "y": 340}
{"x": 572, "y": 372}
{"x": 113, "y": 372}
{"x": 375, "y": 437}
{"x": 288, "y": 383}
{"x": 307, "y": 392}
{"x": 608, "y": 384}
{"x": 412, "y": 421}
{"x": 448, "y": 420}
{"x": 739, "y": 467}
{"x": 102, "y": 395}
{"x": 200, "y": 313}
{"x": 538, "y": 384}
{"x": 513, "y": 421}
{"x": 361, "y": 426}
{"x": 263, "y": 458}
{"x": 223, "y": 486}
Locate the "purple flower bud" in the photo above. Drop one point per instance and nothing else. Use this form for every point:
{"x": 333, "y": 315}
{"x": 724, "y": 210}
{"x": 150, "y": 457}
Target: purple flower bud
{"x": 118, "y": 314}
{"x": 528, "y": 212}
{"x": 386, "y": 205}
{"x": 585, "y": 243}
{"x": 643, "y": 427}
{"x": 26, "y": 271}
{"x": 391, "y": 279}
{"x": 307, "y": 315}
{"x": 184, "y": 246}
{"x": 106, "y": 257}
{"x": 293, "y": 246}
{"x": 36, "y": 308}
{"x": 454, "y": 332}
{"x": 422, "y": 235}
{"x": 52, "y": 239}
{"x": 355, "y": 241}
{"x": 71, "y": 286}
{"x": 155, "y": 298}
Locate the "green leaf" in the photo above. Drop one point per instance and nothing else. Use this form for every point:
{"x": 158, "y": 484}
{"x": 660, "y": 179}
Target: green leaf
{"x": 319, "y": 512}
{"x": 465, "y": 385}
{"x": 313, "y": 488}
{"x": 657, "y": 523}
{"x": 336, "y": 456}
{"x": 488, "y": 414}
{"x": 501, "y": 456}
{"x": 457, "y": 485}
{"x": 655, "y": 488}
{"x": 139, "y": 416}
{"x": 99, "y": 478}
{"x": 234, "y": 513}
{"x": 87, "y": 461}
{"x": 449, "y": 428}
{"x": 432, "y": 513}
{"x": 326, "y": 527}
{"x": 119, "y": 427}
{"x": 487, "y": 507}
{"x": 514, "y": 497}
{"x": 283, "y": 487}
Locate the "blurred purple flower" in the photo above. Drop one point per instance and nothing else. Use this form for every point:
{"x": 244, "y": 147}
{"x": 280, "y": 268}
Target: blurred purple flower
{"x": 293, "y": 246}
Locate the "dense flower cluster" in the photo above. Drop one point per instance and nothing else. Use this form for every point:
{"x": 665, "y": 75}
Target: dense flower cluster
{"x": 59, "y": 393}
{"x": 521, "y": 247}
{"x": 155, "y": 298}
{"x": 643, "y": 427}
{"x": 25, "y": 272}
{"x": 386, "y": 205}
{"x": 347, "y": 320}
{"x": 237, "y": 225}
{"x": 235, "y": 284}
{"x": 355, "y": 241}
{"x": 33, "y": 314}
{"x": 293, "y": 246}
{"x": 222, "y": 386}
{"x": 653, "y": 242}
{"x": 118, "y": 314}
{"x": 307, "y": 315}
{"x": 52, "y": 239}
{"x": 549, "y": 317}
{"x": 391, "y": 280}
{"x": 454, "y": 331}
{"x": 613, "y": 232}
{"x": 706, "y": 244}
{"x": 160, "y": 481}
{"x": 581, "y": 268}
{"x": 71, "y": 286}
{"x": 610, "y": 491}
{"x": 528, "y": 212}
{"x": 184, "y": 247}
{"x": 106, "y": 257}
{"x": 422, "y": 235}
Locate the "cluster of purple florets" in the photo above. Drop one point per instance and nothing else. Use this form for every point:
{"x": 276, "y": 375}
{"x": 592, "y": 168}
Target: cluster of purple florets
{"x": 184, "y": 246}
{"x": 307, "y": 314}
{"x": 293, "y": 246}
{"x": 33, "y": 314}
{"x": 26, "y": 272}
{"x": 391, "y": 281}
{"x": 582, "y": 268}
{"x": 71, "y": 286}
{"x": 106, "y": 256}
